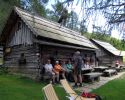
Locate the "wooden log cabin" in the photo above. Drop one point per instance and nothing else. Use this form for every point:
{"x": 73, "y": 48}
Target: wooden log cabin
{"x": 29, "y": 40}
{"x": 1, "y": 56}
{"x": 107, "y": 53}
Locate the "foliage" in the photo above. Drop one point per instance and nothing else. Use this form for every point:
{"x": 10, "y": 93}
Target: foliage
{"x": 56, "y": 11}
{"x": 5, "y": 9}
{"x": 114, "y": 90}
{"x": 38, "y": 8}
{"x": 35, "y": 6}
{"x": 119, "y": 44}
{"x": 3, "y": 69}
{"x": 113, "y": 11}
{"x": 21, "y": 88}
{"x": 83, "y": 27}
{"x": 72, "y": 22}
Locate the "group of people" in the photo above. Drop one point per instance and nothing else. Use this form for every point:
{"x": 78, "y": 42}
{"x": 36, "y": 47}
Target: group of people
{"x": 67, "y": 69}
{"x": 63, "y": 69}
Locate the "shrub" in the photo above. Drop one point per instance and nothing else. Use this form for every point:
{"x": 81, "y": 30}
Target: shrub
{"x": 3, "y": 69}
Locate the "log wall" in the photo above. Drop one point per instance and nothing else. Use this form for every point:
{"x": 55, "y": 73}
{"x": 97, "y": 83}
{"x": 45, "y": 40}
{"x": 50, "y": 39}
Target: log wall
{"x": 107, "y": 59}
{"x": 32, "y": 59}
{"x": 20, "y": 34}
{"x": 21, "y": 41}
{"x": 1, "y": 55}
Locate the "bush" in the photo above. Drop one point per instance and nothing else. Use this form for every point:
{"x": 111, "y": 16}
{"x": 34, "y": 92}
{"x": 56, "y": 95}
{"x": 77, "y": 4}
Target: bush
{"x": 3, "y": 69}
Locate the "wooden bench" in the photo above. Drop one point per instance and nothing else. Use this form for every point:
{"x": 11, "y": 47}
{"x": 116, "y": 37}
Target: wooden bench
{"x": 92, "y": 76}
{"x": 123, "y": 68}
{"x": 110, "y": 72}
{"x": 44, "y": 76}
{"x": 100, "y": 69}
{"x": 118, "y": 69}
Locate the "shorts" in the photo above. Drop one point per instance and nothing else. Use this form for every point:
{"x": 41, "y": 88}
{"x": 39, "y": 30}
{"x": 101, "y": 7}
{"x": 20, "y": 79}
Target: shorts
{"x": 50, "y": 74}
{"x": 77, "y": 71}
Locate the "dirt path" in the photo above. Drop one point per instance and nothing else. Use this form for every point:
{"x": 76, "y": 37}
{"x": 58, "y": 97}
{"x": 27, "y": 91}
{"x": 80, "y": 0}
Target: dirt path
{"x": 95, "y": 85}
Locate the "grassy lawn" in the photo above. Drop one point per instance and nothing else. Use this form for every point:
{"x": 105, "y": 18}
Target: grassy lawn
{"x": 20, "y": 88}
{"x": 114, "y": 90}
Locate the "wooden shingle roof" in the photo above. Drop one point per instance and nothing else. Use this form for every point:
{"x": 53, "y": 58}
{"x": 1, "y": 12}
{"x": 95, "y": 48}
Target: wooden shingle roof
{"x": 49, "y": 29}
{"x": 107, "y": 46}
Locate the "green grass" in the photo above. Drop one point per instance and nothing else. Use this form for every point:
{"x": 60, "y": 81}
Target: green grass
{"x": 21, "y": 88}
{"x": 16, "y": 87}
{"x": 114, "y": 90}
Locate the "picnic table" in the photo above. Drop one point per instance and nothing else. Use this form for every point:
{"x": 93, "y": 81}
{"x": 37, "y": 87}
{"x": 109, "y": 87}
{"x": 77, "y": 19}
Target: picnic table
{"x": 92, "y": 76}
{"x": 100, "y": 68}
{"x": 86, "y": 70}
{"x": 118, "y": 69}
{"x": 110, "y": 72}
{"x": 122, "y": 67}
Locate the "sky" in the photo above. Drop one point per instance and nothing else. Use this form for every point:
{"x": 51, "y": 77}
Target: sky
{"x": 100, "y": 20}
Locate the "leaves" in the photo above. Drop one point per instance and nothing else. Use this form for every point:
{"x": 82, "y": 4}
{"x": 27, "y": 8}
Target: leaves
{"x": 119, "y": 44}
{"x": 5, "y": 8}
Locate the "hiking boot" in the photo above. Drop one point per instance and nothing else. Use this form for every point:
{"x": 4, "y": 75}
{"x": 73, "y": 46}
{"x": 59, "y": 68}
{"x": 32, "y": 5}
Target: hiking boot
{"x": 58, "y": 82}
{"x": 80, "y": 85}
{"x": 53, "y": 83}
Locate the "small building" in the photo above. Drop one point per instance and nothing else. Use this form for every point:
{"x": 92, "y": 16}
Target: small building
{"x": 29, "y": 40}
{"x": 107, "y": 54}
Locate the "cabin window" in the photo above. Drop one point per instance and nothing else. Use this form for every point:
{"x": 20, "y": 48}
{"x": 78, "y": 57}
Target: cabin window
{"x": 22, "y": 59}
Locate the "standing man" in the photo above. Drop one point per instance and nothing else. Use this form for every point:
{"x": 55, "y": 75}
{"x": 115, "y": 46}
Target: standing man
{"x": 77, "y": 68}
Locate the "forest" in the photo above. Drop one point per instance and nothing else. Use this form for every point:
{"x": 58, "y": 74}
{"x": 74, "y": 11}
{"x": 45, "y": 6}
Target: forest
{"x": 58, "y": 10}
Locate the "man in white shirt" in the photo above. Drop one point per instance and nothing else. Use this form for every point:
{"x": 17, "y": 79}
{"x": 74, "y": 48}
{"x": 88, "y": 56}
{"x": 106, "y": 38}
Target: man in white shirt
{"x": 49, "y": 70}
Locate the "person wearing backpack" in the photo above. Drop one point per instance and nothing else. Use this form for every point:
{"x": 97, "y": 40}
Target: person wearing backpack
{"x": 77, "y": 69}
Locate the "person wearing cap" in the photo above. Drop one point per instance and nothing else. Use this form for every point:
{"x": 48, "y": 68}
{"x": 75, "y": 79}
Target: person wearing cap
{"x": 77, "y": 68}
{"x": 59, "y": 70}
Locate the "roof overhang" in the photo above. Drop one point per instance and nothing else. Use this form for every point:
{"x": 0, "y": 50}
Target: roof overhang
{"x": 61, "y": 45}
{"x": 108, "y": 47}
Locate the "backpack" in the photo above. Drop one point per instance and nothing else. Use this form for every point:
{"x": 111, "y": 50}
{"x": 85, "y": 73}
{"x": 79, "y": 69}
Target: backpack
{"x": 91, "y": 95}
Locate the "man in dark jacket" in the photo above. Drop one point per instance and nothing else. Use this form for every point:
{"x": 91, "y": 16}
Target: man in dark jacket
{"x": 77, "y": 68}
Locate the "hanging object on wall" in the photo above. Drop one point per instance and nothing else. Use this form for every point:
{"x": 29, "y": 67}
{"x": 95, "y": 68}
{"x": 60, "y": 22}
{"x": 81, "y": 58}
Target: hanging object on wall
{"x": 8, "y": 50}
